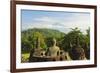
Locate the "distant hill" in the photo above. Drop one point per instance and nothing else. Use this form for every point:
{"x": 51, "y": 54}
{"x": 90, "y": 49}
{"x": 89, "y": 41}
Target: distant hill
{"x": 45, "y": 32}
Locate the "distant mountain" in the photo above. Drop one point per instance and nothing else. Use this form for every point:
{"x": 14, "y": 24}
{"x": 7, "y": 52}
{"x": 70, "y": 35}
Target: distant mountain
{"x": 45, "y": 32}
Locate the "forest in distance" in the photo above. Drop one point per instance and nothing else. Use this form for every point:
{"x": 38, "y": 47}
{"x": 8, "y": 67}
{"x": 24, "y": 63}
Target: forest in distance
{"x": 64, "y": 40}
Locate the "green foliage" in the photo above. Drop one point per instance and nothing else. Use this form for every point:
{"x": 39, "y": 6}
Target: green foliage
{"x": 25, "y": 57}
{"x": 70, "y": 39}
{"x": 64, "y": 41}
{"x": 34, "y": 37}
{"x": 29, "y": 37}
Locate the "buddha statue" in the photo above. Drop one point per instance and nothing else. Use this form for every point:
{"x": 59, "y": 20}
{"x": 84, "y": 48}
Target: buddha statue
{"x": 77, "y": 52}
{"x": 54, "y": 50}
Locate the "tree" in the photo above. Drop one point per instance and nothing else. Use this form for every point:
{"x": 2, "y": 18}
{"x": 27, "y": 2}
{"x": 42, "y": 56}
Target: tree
{"x": 25, "y": 44}
{"x": 28, "y": 41}
{"x": 87, "y": 43}
{"x": 41, "y": 37}
{"x": 70, "y": 38}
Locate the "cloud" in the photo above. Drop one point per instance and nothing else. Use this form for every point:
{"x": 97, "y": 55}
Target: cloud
{"x": 44, "y": 19}
{"x": 63, "y": 24}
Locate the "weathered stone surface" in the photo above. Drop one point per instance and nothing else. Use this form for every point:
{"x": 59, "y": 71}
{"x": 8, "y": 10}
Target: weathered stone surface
{"x": 77, "y": 52}
{"x": 54, "y": 53}
{"x": 53, "y": 50}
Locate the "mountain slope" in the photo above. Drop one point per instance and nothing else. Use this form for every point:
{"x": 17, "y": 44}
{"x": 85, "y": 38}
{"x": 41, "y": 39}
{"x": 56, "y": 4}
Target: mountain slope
{"x": 45, "y": 32}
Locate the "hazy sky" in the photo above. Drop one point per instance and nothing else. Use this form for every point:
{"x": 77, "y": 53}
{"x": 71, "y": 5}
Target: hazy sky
{"x": 60, "y": 20}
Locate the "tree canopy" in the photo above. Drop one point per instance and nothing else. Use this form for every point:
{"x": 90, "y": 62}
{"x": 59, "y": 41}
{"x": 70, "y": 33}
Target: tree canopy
{"x": 64, "y": 41}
